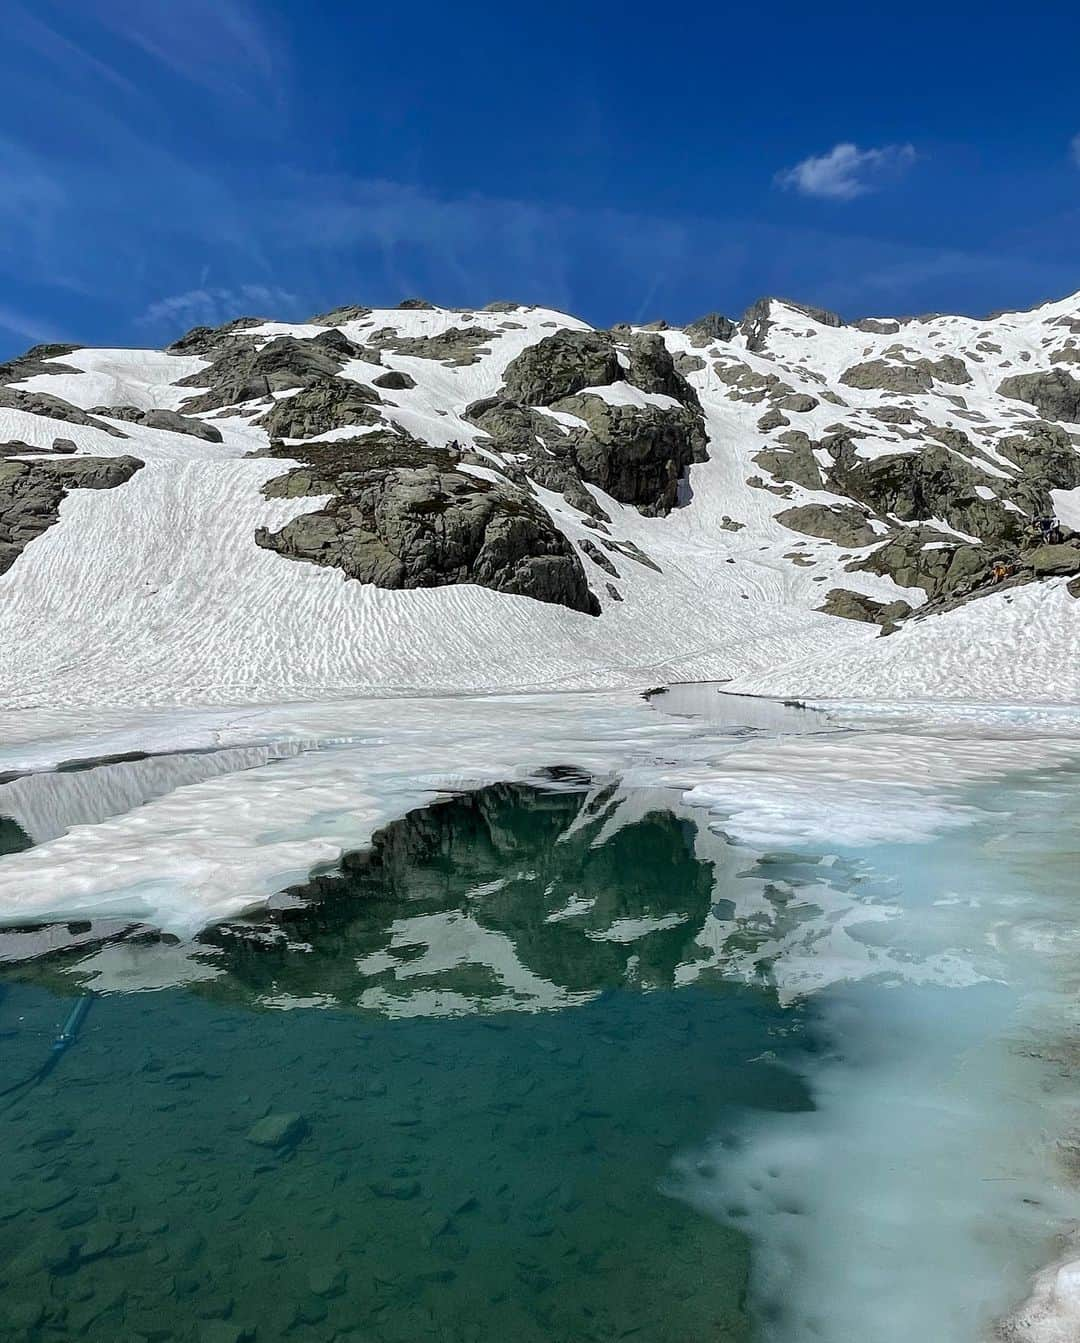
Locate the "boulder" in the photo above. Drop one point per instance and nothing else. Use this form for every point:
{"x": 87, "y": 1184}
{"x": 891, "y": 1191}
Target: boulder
{"x": 277, "y": 1131}
{"x": 328, "y": 403}
{"x": 394, "y": 381}
{"x": 1051, "y": 561}
{"x": 161, "y": 419}
{"x": 849, "y": 605}
{"x": 560, "y": 365}
{"x": 652, "y": 369}
{"x": 637, "y": 454}
{"x": 713, "y": 326}
{"x": 843, "y": 523}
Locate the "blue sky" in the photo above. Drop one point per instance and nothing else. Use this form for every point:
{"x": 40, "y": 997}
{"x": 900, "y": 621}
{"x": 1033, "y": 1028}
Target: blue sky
{"x": 170, "y": 162}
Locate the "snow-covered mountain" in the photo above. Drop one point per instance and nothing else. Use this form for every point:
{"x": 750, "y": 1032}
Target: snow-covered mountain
{"x": 424, "y": 499}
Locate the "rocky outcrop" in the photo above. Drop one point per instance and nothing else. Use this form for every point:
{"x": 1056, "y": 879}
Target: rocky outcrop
{"x": 161, "y": 419}
{"x": 560, "y": 365}
{"x": 652, "y": 369}
{"x": 637, "y": 454}
{"x": 456, "y": 347}
{"x": 244, "y": 373}
{"x": 348, "y": 312}
{"x": 713, "y": 326}
{"x": 1055, "y": 395}
{"x": 791, "y": 461}
{"x": 849, "y": 605}
{"x": 918, "y": 486}
{"x": 1047, "y": 456}
{"x": 844, "y": 524}
{"x": 210, "y": 341}
{"x": 880, "y": 375}
{"x": 394, "y": 381}
{"x": 40, "y": 360}
{"x": 757, "y": 320}
{"x": 538, "y": 448}
{"x": 53, "y": 408}
{"x": 326, "y": 404}
{"x": 31, "y": 494}
{"x": 407, "y": 516}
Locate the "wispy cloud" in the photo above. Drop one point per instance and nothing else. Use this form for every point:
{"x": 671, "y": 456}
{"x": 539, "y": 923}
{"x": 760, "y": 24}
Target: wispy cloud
{"x": 847, "y": 171}
{"x": 1074, "y": 150}
{"x": 222, "y": 45}
{"x": 25, "y": 326}
{"x": 212, "y": 306}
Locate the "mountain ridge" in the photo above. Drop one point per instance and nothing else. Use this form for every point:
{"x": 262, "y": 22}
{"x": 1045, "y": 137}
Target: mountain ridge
{"x": 425, "y": 498}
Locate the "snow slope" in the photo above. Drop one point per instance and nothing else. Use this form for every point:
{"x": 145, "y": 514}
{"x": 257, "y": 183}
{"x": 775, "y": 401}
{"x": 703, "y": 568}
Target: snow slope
{"x": 155, "y": 593}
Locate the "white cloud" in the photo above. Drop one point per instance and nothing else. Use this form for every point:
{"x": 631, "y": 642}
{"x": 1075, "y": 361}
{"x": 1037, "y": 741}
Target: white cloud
{"x": 1075, "y": 150}
{"x": 212, "y": 307}
{"x": 847, "y": 171}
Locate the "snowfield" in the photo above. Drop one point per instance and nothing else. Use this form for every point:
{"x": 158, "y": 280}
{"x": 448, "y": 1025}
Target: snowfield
{"x": 155, "y": 593}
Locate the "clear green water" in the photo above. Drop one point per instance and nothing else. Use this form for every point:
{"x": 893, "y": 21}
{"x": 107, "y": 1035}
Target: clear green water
{"x": 486, "y": 1131}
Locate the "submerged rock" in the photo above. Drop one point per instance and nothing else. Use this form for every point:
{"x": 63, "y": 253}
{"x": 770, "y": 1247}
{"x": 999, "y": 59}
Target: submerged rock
{"x": 277, "y": 1130}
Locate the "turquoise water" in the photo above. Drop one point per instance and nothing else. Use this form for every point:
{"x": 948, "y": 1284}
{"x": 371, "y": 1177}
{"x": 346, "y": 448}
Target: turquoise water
{"x": 559, "y": 1062}
{"x": 480, "y": 1147}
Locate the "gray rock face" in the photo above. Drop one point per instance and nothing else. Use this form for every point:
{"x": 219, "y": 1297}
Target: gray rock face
{"x": 879, "y": 375}
{"x": 772, "y": 419}
{"x": 915, "y": 486}
{"x": 44, "y": 403}
{"x": 457, "y": 347}
{"x": 540, "y": 449}
{"x": 948, "y": 369}
{"x": 39, "y": 360}
{"x": 713, "y": 326}
{"x": 394, "y": 381}
{"x": 652, "y": 369}
{"x": 799, "y": 402}
{"x": 405, "y": 516}
{"x": 1046, "y": 455}
{"x": 791, "y": 461}
{"x": 843, "y": 523}
{"x": 31, "y": 494}
{"x": 906, "y": 559}
{"x": 637, "y": 454}
{"x": 209, "y": 341}
{"x": 850, "y": 605}
{"x": 757, "y": 320}
{"x": 1055, "y": 395}
{"x": 242, "y": 373}
{"x": 161, "y": 419}
{"x": 560, "y": 365}
{"x": 348, "y": 312}
{"x": 327, "y": 403}
{"x": 1050, "y": 561}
